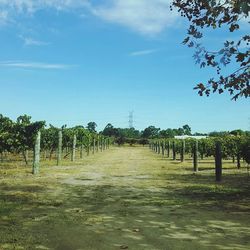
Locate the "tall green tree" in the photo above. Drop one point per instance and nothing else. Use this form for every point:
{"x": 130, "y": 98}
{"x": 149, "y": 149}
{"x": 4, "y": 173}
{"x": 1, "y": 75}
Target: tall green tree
{"x": 150, "y": 132}
{"x": 91, "y": 126}
{"x": 167, "y": 133}
{"x": 110, "y": 130}
{"x": 187, "y": 129}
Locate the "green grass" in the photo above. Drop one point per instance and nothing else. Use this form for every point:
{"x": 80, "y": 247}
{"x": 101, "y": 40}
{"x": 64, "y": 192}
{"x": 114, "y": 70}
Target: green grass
{"x": 124, "y": 197}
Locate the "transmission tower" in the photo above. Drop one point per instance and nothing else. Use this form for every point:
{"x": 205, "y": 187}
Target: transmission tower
{"x": 131, "y": 119}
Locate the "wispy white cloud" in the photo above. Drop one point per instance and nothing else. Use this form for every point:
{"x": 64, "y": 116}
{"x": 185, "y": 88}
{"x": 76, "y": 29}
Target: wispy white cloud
{"x": 28, "y": 41}
{"x": 148, "y": 17}
{"x": 35, "y": 65}
{"x": 3, "y": 17}
{"x": 10, "y": 9}
{"x": 31, "y": 6}
{"x": 143, "y": 52}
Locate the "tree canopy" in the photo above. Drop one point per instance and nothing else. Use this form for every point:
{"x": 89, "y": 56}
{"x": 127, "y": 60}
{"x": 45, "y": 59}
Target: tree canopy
{"x": 229, "y": 14}
{"x": 91, "y": 126}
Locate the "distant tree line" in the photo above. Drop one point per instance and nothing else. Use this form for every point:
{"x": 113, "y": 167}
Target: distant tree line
{"x": 132, "y": 136}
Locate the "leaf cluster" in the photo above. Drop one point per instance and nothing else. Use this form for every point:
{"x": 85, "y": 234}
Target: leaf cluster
{"x": 217, "y": 14}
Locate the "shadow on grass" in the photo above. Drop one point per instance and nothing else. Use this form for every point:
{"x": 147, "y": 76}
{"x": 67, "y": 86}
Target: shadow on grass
{"x": 186, "y": 211}
{"x": 202, "y": 168}
{"x": 194, "y": 214}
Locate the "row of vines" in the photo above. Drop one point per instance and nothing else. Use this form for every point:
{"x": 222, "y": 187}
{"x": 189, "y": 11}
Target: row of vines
{"x": 23, "y": 135}
{"x": 236, "y": 148}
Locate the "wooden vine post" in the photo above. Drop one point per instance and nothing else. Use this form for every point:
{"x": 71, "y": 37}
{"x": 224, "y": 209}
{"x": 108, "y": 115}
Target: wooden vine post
{"x": 88, "y": 146}
{"x": 173, "y": 149}
{"x": 162, "y": 148}
{"x": 45, "y": 154}
{"x": 98, "y": 144}
{"x": 101, "y": 142}
{"x": 195, "y": 156}
{"x": 27, "y": 155}
{"x": 182, "y": 150}
{"x": 105, "y": 143}
{"x": 59, "y": 149}
{"x": 238, "y": 160}
{"x": 218, "y": 162}
{"x": 93, "y": 146}
{"x": 81, "y": 151}
{"x": 73, "y": 155}
{"x": 36, "y": 160}
{"x": 168, "y": 150}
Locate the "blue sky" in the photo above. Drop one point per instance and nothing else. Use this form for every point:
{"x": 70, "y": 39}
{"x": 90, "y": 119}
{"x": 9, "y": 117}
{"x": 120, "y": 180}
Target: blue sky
{"x": 75, "y": 61}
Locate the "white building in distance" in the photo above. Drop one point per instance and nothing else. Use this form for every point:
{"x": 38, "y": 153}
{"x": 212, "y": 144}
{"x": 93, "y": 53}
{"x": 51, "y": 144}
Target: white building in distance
{"x": 183, "y": 137}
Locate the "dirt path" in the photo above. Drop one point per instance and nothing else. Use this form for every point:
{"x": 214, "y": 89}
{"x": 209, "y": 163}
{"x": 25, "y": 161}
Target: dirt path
{"x": 124, "y": 198}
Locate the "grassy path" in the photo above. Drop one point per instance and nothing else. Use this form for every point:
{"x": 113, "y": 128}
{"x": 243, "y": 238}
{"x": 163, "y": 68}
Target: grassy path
{"x": 124, "y": 198}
